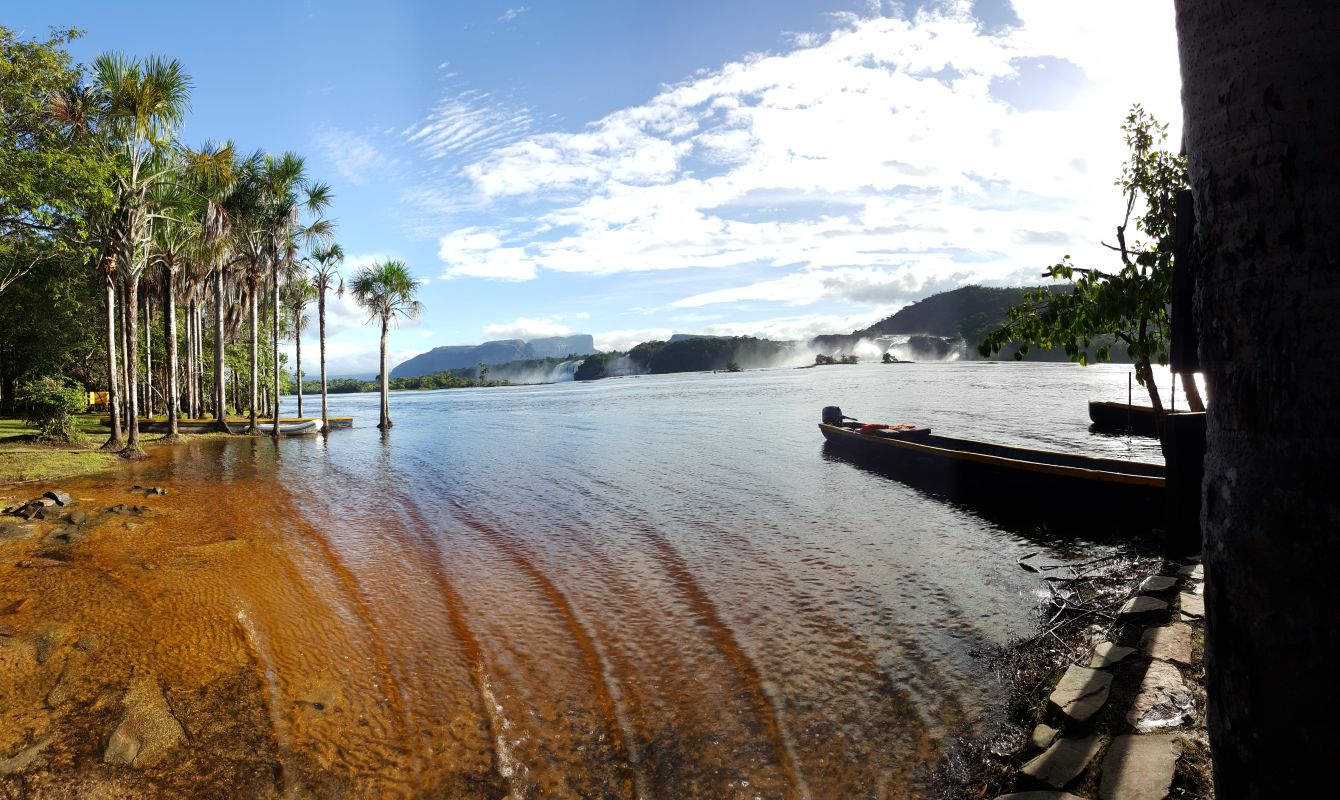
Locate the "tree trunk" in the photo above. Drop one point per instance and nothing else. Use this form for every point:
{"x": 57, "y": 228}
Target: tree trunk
{"x": 297, "y": 353}
{"x": 1194, "y": 401}
{"x": 170, "y": 370}
{"x": 220, "y": 388}
{"x": 113, "y": 393}
{"x": 1261, "y": 95}
{"x": 127, "y": 355}
{"x": 274, "y": 336}
{"x": 385, "y": 423}
{"x": 253, "y": 428}
{"x": 132, "y": 320}
{"x": 321, "y": 335}
{"x": 148, "y": 359}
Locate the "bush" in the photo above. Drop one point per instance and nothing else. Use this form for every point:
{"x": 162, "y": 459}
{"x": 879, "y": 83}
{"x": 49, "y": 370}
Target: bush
{"x": 47, "y": 404}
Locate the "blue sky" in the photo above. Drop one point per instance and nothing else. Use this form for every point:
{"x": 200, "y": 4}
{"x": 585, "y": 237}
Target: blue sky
{"x": 628, "y": 169}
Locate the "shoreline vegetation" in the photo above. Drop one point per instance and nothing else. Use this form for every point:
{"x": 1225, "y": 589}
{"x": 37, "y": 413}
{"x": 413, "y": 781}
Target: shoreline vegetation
{"x": 26, "y": 460}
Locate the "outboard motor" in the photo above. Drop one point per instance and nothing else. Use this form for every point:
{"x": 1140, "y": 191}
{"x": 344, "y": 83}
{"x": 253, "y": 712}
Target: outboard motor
{"x": 833, "y": 415}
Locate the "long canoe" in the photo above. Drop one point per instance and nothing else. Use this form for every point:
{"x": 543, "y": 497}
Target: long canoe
{"x": 235, "y": 424}
{"x": 919, "y": 457}
{"x": 1110, "y": 417}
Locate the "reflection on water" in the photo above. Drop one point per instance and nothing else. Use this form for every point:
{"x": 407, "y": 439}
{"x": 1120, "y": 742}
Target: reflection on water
{"x": 649, "y": 587}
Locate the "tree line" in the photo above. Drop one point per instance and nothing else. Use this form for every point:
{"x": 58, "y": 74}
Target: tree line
{"x": 199, "y": 260}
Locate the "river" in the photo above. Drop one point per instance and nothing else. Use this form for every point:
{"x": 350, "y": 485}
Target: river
{"x": 656, "y": 586}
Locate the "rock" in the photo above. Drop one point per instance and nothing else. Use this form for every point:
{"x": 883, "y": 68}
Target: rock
{"x": 1043, "y": 736}
{"x": 1081, "y": 692}
{"x": 1107, "y": 654}
{"x": 40, "y": 563}
{"x": 1168, "y": 643}
{"x": 1139, "y": 768}
{"x": 76, "y": 518}
{"x": 7, "y": 630}
{"x": 66, "y": 535}
{"x": 1193, "y": 605}
{"x": 59, "y": 497}
{"x": 22, "y": 604}
{"x": 147, "y": 731}
{"x": 1140, "y": 605}
{"x": 1043, "y": 795}
{"x": 23, "y": 758}
{"x": 1196, "y": 571}
{"x": 44, "y": 501}
{"x": 1157, "y": 584}
{"x": 1163, "y": 700}
{"x": 10, "y": 532}
{"x": 1063, "y": 761}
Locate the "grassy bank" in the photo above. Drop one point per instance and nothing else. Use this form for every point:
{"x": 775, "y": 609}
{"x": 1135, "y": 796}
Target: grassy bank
{"x": 23, "y": 459}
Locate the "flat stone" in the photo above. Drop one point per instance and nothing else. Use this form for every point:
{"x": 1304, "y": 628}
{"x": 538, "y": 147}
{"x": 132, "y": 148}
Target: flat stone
{"x": 1168, "y": 643}
{"x": 1042, "y": 795}
{"x": 59, "y": 497}
{"x": 1196, "y": 571}
{"x": 1081, "y": 692}
{"x": 1193, "y": 605}
{"x": 76, "y": 518}
{"x": 1063, "y": 761}
{"x": 1139, "y": 768}
{"x": 147, "y": 731}
{"x": 1157, "y": 584}
{"x": 22, "y": 604}
{"x": 1163, "y": 700}
{"x": 10, "y": 532}
{"x": 40, "y": 563}
{"x": 1042, "y": 737}
{"x": 1140, "y": 604}
{"x": 1107, "y": 654}
{"x": 23, "y": 758}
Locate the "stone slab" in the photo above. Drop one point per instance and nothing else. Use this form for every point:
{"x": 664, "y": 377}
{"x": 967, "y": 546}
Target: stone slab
{"x": 1042, "y": 737}
{"x": 1157, "y": 584}
{"x": 1196, "y": 571}
{"x": 1063, "y": 761}
{"x": 1042, "y": 795}
{"x": 1163, "y": 700}
{"x": 1139, "y": 768}
{"x": 1107, "y": 654}
{"x": 1081, "y": 692}
{"x": 1193, "y": 605}
{"x": 1168, "y": 643}
{"x": 1140, "y": 604}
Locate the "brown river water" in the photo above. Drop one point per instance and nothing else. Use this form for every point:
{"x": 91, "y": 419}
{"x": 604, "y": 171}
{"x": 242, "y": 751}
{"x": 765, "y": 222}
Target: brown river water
{"x": 641, "y": 587}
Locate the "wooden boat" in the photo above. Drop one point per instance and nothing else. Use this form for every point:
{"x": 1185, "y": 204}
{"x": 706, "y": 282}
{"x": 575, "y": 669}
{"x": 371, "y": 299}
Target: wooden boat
{"x": 1110, "y": 417}
{"x": 964, "y": 466}
{"x": 293, "y": 426}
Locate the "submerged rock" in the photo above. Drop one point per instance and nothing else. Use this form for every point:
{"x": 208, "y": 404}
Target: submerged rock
{"x": 147, "y": 731}
{"x": 23, "y": 758}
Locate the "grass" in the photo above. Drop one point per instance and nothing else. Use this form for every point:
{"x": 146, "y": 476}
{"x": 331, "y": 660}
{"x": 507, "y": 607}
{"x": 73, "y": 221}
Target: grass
{"x": 23, "y": 459}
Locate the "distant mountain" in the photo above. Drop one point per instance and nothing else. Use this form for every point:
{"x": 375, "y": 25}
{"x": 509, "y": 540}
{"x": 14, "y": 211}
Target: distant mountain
{"x": 442, "y": 359}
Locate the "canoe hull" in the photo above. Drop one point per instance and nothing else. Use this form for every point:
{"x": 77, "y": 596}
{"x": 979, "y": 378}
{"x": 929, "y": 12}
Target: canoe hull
{"x": 1122, "y": 418}
{"x": 1022, "y": 477}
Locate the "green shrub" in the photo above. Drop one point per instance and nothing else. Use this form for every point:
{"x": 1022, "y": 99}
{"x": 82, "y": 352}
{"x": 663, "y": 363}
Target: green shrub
{"x": 47, "y": 404}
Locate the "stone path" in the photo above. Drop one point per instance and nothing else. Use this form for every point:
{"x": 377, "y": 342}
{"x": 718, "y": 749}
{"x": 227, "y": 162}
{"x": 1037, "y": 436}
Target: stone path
{"x": 1141, "y": 759}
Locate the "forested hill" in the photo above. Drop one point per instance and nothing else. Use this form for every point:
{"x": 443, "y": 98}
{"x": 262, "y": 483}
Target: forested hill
{"x": 968, "y": 312}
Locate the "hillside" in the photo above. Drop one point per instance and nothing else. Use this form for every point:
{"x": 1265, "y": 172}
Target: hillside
{"x": 502, "y": 351}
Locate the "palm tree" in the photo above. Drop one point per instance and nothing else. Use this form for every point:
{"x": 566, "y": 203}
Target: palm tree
{"x": 141, "y": 104}
{"x": 215, "y": 170}
{"x": 325, "y": 261}
{"x": 174, "y": 238}
{"x": 298, "y": 293}
{"x": 388, "y": 292}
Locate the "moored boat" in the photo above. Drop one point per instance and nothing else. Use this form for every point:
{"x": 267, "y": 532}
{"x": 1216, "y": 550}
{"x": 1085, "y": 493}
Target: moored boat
{"x": 1108, "y": 417}
{"x": 965, "y": 466}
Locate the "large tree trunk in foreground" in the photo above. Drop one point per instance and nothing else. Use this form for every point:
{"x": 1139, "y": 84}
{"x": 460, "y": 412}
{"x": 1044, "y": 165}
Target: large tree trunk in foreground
{"x": 113, "y": 384}
{"x": 1261, "y": 94}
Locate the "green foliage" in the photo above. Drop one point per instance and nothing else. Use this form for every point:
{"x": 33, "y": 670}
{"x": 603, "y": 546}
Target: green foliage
{"x": 48, "y": 404}
{"x": 593, "y": 366}
{"x": 387, "y": 290}
{"x": 1129, "y": 303}
{"x": 702, "y": 355}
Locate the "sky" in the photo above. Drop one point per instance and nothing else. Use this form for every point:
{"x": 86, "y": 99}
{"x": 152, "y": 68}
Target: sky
{"x": 777, "y": 168}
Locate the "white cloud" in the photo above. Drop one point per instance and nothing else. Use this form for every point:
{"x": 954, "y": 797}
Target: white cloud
{"x": 879, "y": 146}
{"x": 354, "y": 155}
{"x": 512, "y": 13}
{"x": 527, "y": 328}
{"x": 468, "y": 124}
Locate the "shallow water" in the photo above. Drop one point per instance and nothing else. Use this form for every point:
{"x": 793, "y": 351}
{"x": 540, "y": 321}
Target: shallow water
{"x": 653, "y": 587}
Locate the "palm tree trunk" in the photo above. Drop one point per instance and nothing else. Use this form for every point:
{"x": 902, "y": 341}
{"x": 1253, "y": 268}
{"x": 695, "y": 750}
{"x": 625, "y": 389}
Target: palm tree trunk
{"x": 385, "y": 423}
{"x": 126, "y": 355}
{"x": 170, "y": 340}
{"x": 132, "y": 319}
{"x": 253, "y": 428}
{"x": 321, "y": 325}
{"x": 220, "y": 388}
{"x": 189, "y": 376}
{"x": 1261, "y": 95}
{"x": 274, "y": 335}
{"x": 297, "y": 346}
{"x": 148, "y": 359}
{"x": 113, "y": 383}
